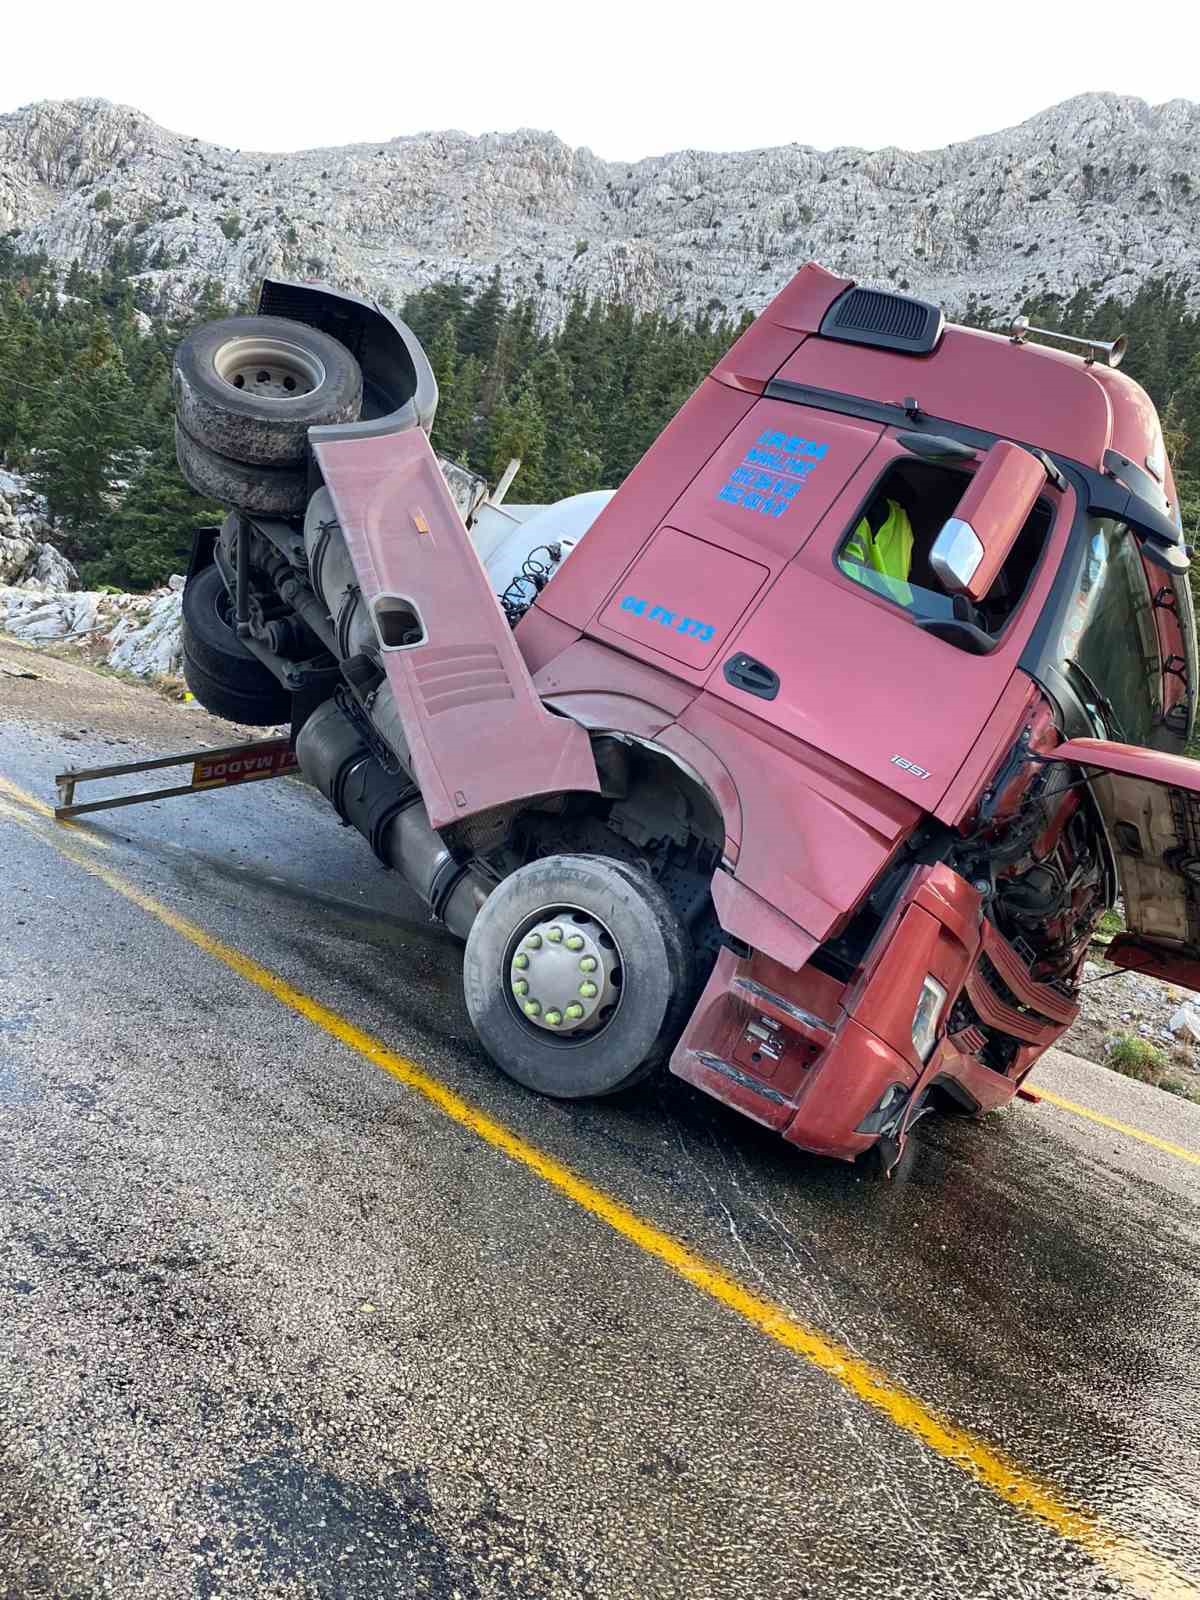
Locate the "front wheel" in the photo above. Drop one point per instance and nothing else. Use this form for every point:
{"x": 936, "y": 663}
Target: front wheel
{"x": 577, "y": 975}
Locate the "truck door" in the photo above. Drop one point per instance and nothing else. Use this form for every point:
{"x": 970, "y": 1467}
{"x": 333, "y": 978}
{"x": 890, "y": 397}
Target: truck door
{"x": 1150, "y": 802}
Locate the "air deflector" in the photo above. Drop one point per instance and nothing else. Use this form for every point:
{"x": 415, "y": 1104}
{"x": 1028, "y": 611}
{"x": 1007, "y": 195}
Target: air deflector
{"x": 890, "y": 321}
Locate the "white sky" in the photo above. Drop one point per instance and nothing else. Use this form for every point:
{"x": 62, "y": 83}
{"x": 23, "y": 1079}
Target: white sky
{"x": 627, "y": 79}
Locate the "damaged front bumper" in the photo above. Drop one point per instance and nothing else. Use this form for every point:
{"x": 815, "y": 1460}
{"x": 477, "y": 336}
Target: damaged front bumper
{"x": 834, "y": 1067}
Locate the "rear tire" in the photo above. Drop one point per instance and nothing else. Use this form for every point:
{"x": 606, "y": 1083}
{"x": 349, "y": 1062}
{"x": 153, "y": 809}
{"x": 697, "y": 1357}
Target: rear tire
{"x": 225, "y": 677}
{"x": 270, "y": 491}
{"x": 644, "y": 971}
{"x": 249, "y": 388}
{"x": 233, "y": 704}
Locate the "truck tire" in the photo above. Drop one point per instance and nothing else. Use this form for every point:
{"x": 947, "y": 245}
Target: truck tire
{"x": 249, "y": 388}
{"x": 223, "y": 675}
{"x": 683, "y": 960}
{"x": 576, "y": 974}
{"x": 270, "y": 491}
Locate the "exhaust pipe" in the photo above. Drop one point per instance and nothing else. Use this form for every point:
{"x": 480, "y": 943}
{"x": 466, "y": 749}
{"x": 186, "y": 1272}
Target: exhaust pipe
{"x": 389, "y": 813}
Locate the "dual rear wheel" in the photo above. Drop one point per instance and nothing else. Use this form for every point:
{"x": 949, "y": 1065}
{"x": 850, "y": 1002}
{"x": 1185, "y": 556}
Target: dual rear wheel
{"x": 247, "y": 390}
{"x": 217, "y": 667}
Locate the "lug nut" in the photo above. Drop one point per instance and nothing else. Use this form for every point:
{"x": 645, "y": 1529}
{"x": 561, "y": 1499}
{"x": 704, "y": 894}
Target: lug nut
{"x": 534, "y": 942}
{"x": 520, "y": 962}
{"x": 552, "y": 1019}
{"x": 588, "y": 964}
{"x": 589, "y": 991}
{"x": 575, "y": 942}
{"x": 574, "y": 1011}
{"x": 532, "y": 1009}
{"x": 520, "y": 987}
{"x": 554, "y": 935}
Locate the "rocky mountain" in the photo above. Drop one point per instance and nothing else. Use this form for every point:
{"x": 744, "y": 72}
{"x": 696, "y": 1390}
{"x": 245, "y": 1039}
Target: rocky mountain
{"x": 1102, "y": 190}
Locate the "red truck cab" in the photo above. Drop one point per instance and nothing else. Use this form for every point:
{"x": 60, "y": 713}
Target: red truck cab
{"x": 847, "y": 833}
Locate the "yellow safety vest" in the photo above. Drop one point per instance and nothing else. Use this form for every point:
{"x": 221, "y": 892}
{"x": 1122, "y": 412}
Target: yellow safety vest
{"x": 888, "y": 552}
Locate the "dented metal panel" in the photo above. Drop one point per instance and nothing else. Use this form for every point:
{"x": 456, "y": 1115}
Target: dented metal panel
{"x": 478, "y": 735}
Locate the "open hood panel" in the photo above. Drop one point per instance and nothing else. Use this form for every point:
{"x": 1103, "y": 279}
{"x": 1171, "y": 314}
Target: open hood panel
{"x": 1151, "y": 804}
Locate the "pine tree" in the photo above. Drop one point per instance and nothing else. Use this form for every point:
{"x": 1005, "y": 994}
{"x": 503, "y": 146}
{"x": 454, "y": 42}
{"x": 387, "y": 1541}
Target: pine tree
{"x": 458, "y": 384}
{"x": 86, "y": 444}
{"x": 1183, "y": 413}
{"x": 443, "y": 358}
{"x": 427, "y": 309}
{"x": 149, "y": 537}
{"x": 519, "y": 429}
{"x": 481, "y": 324}
{"x": 466, "y": 422}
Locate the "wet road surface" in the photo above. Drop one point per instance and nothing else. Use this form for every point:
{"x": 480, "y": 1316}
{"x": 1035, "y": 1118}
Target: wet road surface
{"x": 273, "y": 1323}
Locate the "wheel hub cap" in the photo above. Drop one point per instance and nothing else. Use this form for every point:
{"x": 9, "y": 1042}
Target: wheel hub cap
{"x": 564, "y": 974}
{"x": 272, "y": 369}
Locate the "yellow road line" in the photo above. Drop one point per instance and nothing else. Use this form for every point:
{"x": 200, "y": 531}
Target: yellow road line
{"x": 1177, "y": 1150}
{"x": 32, "y": 803}
{"x": 1145, "y": 1574}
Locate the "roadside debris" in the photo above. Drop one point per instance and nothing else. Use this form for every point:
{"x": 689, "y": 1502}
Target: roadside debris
{"x": 1185, "y": 1024}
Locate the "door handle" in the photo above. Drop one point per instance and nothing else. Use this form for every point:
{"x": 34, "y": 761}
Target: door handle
{"x": 754, "y": 677}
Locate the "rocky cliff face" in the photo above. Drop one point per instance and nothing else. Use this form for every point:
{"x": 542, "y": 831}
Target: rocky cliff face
{"x": 28, "y": 558}
{"x": 41, "y": 601}
{"x": 1101, "y": 190}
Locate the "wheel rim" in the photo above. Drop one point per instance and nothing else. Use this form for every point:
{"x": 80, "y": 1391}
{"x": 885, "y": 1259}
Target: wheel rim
{"x": 269, "y": 369}
{"x": 563, "y": 974}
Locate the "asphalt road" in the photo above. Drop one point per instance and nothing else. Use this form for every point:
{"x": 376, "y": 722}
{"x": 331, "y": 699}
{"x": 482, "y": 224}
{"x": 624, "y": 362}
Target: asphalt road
{"x": 274, "y": 1322}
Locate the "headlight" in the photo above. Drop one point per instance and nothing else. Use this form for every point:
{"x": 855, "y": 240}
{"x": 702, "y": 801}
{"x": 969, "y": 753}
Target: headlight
{"x": 927, "y": 1016}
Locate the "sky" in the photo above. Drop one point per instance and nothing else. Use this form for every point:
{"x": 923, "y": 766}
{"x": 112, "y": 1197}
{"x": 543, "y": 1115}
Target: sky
{"x": 626, "y": 79}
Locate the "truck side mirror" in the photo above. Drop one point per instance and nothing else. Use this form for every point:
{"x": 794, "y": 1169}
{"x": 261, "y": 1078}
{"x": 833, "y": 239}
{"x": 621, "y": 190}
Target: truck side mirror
{"x": 1159, "y": 535}
{"x": 974, "y": 544}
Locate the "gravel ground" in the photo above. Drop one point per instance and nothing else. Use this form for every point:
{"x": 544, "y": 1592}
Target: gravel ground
{"x": 1115, "y": 1003}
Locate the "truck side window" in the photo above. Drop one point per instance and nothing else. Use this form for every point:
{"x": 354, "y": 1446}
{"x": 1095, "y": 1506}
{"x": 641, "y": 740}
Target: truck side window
{"x": 887, "y": 548}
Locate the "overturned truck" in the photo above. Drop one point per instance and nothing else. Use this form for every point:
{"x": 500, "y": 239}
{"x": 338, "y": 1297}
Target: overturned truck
{"x": 805, "y": 764}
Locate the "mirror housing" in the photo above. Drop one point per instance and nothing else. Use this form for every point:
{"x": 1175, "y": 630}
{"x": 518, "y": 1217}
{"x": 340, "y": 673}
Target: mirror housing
{"x": 1159, "y": 534}
{"x": 974, "y": 544}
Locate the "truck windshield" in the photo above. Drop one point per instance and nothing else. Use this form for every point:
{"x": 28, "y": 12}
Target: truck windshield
{"x": 1106, "y": 644}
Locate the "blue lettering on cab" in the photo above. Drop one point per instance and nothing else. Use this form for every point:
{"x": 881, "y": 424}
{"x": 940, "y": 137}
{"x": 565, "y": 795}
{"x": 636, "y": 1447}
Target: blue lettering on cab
{"x": 690, "y": 627}
{"x": 772, "y": 472}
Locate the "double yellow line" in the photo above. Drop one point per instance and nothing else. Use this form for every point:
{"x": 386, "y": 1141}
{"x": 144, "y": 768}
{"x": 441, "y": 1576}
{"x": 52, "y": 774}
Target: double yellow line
{"x": 1142, "y": 1571}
